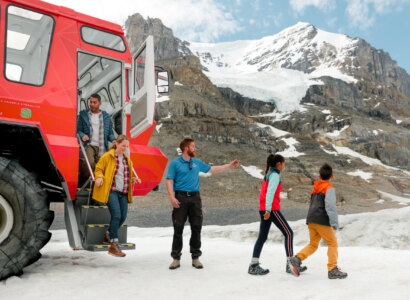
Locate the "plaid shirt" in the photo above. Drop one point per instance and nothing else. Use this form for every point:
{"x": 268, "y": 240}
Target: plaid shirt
{"x": 126, "y": 174}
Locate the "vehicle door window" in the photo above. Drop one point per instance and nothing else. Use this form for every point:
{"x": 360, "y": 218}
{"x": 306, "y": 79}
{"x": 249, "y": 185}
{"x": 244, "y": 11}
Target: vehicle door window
{"x": 28, "y": 43}
{"x": 115, "y": 92}
{"x": 139, "y": 70}
{"x": 102, "y": 76}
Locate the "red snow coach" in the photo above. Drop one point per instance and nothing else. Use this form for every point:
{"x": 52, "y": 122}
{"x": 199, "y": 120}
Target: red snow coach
{"x": 52, "y": 60}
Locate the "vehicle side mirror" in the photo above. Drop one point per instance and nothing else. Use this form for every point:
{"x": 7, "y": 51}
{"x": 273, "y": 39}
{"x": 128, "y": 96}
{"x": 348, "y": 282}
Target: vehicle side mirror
{"x": 163, "y": 82}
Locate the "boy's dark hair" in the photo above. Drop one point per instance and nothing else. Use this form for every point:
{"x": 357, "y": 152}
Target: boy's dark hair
{"x": 96, "y": 96}
{"x": 185, "y": 143}
{"x": 325, "y": 172}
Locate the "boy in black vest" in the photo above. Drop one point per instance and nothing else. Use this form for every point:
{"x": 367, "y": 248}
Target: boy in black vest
{"x": 322, "y": 221}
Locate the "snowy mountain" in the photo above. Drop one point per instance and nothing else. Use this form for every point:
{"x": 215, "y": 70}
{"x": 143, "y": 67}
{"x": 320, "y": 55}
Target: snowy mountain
{"x": 355, "y": 118}
{"x": 282, "y": 67}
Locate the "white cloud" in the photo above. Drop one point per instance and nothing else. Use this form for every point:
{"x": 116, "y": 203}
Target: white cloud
{"x": 192, "y": 20}
{"x": 252, "y": 21}
{"x": 300, "y": 5}
{"x": 363, "y": 13}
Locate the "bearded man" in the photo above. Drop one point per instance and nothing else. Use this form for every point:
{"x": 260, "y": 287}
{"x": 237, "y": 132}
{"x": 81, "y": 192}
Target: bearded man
{"x": 183, "y": 191}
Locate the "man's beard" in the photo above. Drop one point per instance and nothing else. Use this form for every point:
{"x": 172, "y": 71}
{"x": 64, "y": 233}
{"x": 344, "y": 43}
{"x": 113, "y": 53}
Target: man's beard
{"x": 191, "y": 153}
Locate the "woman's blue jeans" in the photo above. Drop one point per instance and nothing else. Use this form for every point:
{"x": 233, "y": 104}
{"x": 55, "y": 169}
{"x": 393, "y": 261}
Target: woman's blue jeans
{"x": 118, "y": 207}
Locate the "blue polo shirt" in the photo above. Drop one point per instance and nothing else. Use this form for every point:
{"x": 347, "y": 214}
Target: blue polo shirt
{"x": 186, "y": 180}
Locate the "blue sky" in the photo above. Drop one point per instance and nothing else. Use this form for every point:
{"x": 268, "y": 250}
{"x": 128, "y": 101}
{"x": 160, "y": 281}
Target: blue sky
{"x": 385, "y": 24}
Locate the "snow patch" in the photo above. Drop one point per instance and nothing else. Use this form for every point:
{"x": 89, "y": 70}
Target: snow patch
{"x": 326, "y": 111}
{"x": 275, "y": 131}
{"x": 277, "y": 116}
{"x": 395, "y": 198}
{"x": 367, "y": 160}
{"x": 328, "y": 152}
{"x": 177, "y": 83}
{"x": 158, "y": 127}
{"x": 253, "y": 171}
{"x": 291, "y": 150}
{"x": 364, "y": 175}
{"x": 167, "y": 117}
{"x": 337, "y": 132}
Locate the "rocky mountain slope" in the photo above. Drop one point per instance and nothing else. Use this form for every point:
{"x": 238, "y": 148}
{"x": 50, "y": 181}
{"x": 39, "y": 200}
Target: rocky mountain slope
{"x": 357, "y": 120}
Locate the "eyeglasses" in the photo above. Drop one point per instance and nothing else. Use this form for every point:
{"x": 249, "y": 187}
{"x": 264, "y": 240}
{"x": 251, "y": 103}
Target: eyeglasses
{"x": 190, "y": 166}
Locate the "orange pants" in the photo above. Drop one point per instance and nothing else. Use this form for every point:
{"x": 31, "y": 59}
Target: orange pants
{"x": 317, "y": 232}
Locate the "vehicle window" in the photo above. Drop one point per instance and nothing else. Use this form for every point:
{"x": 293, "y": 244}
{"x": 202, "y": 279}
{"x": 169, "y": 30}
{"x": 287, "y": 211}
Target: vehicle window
{"x": 129, "y": 82}
{"x": 86, "y": 78}
{"x": 115, "y": 92}
{"x": 28, "y": 40}
{"x": 100, "y": 75}
{"x": 105, "y": 100}
{"x": 103, "y": 39}
{"x": 139, "y": 70}
{"x": 13, "y": 72}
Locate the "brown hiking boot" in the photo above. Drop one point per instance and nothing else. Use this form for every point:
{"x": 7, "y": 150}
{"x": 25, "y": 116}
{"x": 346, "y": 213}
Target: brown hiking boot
{"x": 197, "y": 264}
{"x": 115, "y": 250}
{"x": 174, "y": 265}
{"x": 106, "y": 239}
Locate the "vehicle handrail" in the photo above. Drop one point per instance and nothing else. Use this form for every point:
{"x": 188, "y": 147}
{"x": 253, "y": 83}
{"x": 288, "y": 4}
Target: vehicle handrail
{"x": 86, "y": 158}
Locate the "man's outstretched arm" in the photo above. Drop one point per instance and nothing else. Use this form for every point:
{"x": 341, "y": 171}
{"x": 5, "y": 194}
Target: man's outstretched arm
{"x": 231, "y": 165}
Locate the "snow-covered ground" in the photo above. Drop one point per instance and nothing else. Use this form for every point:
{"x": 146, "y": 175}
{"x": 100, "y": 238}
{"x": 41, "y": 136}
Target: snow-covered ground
{"x": 373, "y": 249}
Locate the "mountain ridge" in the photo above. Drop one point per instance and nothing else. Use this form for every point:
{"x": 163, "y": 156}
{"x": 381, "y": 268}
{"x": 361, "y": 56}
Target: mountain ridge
{"x": 338, "y": 122}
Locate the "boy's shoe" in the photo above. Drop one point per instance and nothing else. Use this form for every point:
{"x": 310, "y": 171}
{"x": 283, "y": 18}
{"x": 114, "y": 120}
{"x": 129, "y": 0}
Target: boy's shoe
{"x": 115, "y": 250}
{"x": 336, "y": 273}
{"x": 197, "y": 264}
{"x": 175, "y": 264}
{"x": 294, "y": 265}
{"x": 106, "y": 239}
{"x": 256, "y": 269}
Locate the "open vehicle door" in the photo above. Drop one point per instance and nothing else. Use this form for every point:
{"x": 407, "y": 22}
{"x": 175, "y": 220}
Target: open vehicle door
{"x": 142, "y": 93}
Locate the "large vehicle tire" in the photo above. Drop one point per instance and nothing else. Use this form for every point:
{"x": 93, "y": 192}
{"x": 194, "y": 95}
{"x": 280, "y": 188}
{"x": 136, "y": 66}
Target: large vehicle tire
{"x": 24, "y": 218}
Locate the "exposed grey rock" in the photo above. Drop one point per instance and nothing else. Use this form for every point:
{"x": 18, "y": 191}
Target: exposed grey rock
{"x": 244, "y": 105}
{"x": 166, "y": 45}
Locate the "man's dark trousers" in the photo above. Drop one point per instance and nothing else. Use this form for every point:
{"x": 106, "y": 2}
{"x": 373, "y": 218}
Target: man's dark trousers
{"x": 190, "y": 208}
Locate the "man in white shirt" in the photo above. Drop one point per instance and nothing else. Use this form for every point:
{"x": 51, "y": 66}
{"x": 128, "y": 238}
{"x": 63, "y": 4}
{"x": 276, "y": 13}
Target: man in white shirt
{"x": 95, "y": 130}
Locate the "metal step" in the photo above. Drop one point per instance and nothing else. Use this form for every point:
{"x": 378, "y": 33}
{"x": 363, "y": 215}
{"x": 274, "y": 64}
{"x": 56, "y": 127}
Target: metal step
{"x": 94, "y": 215}
{"x": 94, "y": 234}
{"x": 85, "y": 198}
{"x": 104, "y": 247}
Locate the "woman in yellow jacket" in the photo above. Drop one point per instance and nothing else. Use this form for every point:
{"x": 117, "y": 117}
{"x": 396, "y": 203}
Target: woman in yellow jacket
{"x": 113, "y": 186}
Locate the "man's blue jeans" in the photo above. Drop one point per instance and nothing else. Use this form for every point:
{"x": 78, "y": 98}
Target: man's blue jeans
{"x": 118, "y": 207}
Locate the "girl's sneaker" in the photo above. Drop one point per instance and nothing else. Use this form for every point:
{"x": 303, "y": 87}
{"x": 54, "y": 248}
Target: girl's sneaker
{"x": 294, "y": 265}
{"x": 256, "y": 269}
{"x": 336, "y": 273}
{"x": 301, "y": 268}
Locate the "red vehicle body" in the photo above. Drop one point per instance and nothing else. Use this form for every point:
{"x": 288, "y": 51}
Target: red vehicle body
{"x": 38, "y": 109}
